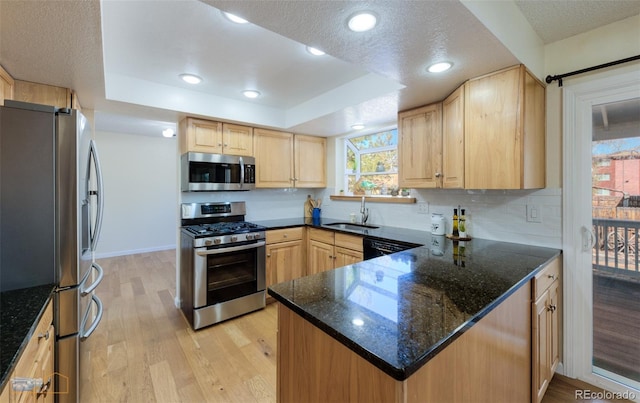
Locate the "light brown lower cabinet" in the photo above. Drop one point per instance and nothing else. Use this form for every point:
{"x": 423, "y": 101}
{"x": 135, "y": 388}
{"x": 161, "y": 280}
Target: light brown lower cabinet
{"x": 285, "y": 255}
{"x": 488, "y": 363}
{"x": 329, "y": 249}
{"x": 545, "y": 317}
{"x": 36, "y": 362}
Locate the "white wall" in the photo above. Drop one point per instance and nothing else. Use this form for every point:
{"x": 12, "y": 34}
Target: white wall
{"x": 140, "y": 181}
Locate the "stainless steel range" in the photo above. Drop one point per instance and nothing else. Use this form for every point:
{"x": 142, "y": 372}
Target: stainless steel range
{"x": 222, "y": 263}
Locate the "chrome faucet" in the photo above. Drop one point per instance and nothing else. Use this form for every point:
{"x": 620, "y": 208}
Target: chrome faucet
{"x": 364, "y": 212}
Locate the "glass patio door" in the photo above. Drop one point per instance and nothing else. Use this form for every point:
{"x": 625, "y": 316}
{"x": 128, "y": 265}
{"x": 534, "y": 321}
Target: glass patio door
{"x": 601, "y": 221}
{"x": 615, "y": 171}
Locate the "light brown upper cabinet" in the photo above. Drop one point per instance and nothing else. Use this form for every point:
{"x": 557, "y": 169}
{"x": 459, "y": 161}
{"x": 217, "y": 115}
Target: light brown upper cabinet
{"x": 44, "y": 94}
{"x": 420, "y": 147}
{"x": 453, "y": 140}
{"x": 6, "y": 85}
{"x": 504, "y": 138}
{"x": 287, "y": 160}
{"x": 206, "y": 136}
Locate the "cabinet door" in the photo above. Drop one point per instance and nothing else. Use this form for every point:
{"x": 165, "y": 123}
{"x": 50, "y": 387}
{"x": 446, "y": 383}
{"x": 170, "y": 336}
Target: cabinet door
{"x": 274, "y": 158}
{"x": 203, "y": 136}
{"x": 6, "y": 85}
{"x": 541, "y": 345}
{"x": 310, "y": 161}
{"x": 420, "y": 147}
{"x": 554, "y": 327}
{"x": 284, "y": 262}
{"x": 321, "y": 256}
{"x": 42, "y": 94}
{"x": 347, "y": 256}
{"x": 493, "y": 134}
{"x": 453, "y": 140}
{"x": 237, "y": 140}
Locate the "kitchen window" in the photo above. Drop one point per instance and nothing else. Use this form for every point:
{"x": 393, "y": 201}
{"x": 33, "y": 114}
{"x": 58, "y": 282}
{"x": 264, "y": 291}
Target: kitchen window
{"x": 371, "y": 163}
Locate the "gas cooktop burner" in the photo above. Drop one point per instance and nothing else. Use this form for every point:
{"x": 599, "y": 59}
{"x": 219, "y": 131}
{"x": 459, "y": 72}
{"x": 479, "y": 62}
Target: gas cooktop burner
{"x": 223, "y": 228}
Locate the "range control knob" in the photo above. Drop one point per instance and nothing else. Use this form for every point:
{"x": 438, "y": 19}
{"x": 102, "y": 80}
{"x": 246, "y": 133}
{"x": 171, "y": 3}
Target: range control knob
{"x": 250, "y": 237}
{"x": 256, "y": 236}
{"x": 207, "y": 242}
{"x": 217, "y": 240}
{"x": 234, "y": 238}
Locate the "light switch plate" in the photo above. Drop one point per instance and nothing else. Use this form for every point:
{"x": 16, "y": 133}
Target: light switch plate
{"x": 534, "y": 214}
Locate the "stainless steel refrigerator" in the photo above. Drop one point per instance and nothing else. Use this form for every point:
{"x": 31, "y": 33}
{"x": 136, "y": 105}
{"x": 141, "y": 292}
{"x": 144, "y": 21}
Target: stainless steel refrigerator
{"x": 51, "y": 203}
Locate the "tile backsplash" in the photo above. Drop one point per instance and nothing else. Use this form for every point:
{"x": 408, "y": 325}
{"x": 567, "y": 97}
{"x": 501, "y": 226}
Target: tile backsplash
{"x": 492, "y": 214}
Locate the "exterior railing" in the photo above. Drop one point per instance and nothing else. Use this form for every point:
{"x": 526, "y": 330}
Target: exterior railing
{"x": 616, "y": 246}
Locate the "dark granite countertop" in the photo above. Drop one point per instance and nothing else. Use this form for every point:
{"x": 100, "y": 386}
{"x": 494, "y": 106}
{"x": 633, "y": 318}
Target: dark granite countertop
{"x": 398, "y": 311}
{"x": 20, "y": 311}
{"x": 381, "y": 232}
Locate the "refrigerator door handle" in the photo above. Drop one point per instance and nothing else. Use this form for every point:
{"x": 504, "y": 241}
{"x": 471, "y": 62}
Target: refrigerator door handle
{"x": 84, "y": 334}
{"x": 84, "y": 291}
{"x": 99, "y": 193}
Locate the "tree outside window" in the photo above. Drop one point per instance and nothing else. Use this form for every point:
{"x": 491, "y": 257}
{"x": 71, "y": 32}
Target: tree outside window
{"x": 371, "y": 162}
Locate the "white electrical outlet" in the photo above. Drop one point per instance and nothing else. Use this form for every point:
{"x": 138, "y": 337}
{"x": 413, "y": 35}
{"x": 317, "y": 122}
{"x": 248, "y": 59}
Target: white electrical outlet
{"x": 423, "y": 208}
{"x": 534, "y": 214}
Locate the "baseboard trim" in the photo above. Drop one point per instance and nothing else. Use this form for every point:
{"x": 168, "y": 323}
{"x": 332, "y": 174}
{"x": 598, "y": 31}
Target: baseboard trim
{"x": 133, "y": 251}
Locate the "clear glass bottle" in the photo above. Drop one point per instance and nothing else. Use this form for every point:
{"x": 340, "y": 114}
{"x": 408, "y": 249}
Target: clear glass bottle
{"x": 462, "y": 224}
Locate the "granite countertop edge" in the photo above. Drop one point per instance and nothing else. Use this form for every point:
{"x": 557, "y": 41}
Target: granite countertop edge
{"x": 45, "y": 292}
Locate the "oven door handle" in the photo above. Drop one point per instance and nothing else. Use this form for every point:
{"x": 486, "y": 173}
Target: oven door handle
{"x": 206, "y": 252}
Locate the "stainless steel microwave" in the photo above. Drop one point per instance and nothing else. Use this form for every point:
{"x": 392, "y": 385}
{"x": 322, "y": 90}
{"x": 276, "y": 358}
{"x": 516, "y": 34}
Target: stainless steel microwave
{"x": 202, "y": 172}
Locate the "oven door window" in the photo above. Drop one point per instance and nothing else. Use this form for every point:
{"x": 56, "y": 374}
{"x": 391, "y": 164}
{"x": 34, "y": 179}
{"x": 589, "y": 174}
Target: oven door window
{"x": 231, "y": 275}
{"x": 207, "y": 172}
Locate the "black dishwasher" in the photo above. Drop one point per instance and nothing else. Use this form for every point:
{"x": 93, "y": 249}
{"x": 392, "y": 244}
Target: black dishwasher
{"x": 376, "y": 247}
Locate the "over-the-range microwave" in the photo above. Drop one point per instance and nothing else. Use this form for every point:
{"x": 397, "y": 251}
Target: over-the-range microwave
{"x": 203, "y": 172}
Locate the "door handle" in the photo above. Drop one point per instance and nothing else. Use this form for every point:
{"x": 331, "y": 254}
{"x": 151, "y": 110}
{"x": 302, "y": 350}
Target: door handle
{"x": 86, "y": 333}
{"x": 100, "y": 270}
{"x": 588, "y": 239}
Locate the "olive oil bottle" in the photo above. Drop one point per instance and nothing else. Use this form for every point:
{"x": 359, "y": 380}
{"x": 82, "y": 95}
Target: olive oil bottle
{"x": 455, "y": 223}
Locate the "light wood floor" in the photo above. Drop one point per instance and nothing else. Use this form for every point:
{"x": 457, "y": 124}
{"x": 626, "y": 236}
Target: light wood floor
{"x": 145, "y": 351}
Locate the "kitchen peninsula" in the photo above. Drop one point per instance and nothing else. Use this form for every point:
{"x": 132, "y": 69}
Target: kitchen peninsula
{"x": 426, "y": 324}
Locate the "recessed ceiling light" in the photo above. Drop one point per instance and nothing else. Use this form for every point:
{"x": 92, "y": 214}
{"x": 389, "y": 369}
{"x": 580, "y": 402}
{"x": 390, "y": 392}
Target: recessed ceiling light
{"x": 251, "y": 93}
{"x": 439, "y": 67}
{"x": 234, "y": 18}
{"x": 314, "y": 51}
{"x": 191, "y": 78}
{"x": 362, "y": 21}
{"x": 358, "y": 322}
{"x": 357, "y": 126}
{"x": 168, "y": 132}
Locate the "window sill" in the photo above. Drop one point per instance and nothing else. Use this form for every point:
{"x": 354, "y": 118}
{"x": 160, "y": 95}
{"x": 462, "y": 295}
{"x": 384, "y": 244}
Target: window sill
{"x": 376, "y": 198}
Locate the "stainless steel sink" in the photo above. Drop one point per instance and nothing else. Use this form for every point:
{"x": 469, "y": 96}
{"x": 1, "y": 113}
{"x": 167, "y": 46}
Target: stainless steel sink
{"x": 351, "y": 226}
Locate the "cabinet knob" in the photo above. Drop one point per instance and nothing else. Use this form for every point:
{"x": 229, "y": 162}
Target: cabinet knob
{"x": 219, "y": 144}
{"x": 44, "y": 335}
{"x": 226, "y": 145}
{"x": 285, "y": 236}
{"x": 268, "y": 254}
{"x": 45, "y": 388}
{"x": 438, "y": 174}
{"x": 552, "y": 276}
{"x": 552, "y": 308}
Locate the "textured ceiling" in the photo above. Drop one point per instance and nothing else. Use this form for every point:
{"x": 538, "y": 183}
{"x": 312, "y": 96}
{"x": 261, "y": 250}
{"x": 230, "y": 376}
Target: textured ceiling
{"x": 123, "y": 57}
{"x": 556, "y": 20}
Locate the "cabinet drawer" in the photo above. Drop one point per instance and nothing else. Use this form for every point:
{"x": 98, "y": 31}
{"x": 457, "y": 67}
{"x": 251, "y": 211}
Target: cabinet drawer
{"x": 282, "y": 235}
{"x": 321, "y": 235}
{"x": 353, "y": 242}
{"x": 546, "y": 277}
{"x": 30, "y": 363}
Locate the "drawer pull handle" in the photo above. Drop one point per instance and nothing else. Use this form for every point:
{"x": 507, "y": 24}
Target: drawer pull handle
{"x": 21, "y": 384}
{"x": 44, "y": 335}
{"x": 552, "y": 276}
{"x": 285, "y": 236}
